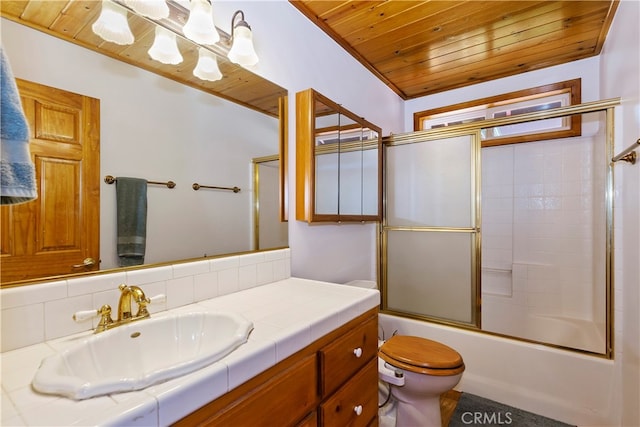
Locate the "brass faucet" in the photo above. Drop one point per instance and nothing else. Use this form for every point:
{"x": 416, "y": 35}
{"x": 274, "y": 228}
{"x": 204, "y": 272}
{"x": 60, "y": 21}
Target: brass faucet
{"x": 128, "y": 294}
{"x": 131, "y": 294}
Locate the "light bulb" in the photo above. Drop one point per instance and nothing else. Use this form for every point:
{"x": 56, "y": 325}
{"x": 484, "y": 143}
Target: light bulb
{"x": 199, "y": 26}
{"x": 242, "y": 51}
{"x": 154, "y": 9}
{"x": 165, "y": 47}
{"x": 112, "y": 24}
{"x": 207, "y": 68}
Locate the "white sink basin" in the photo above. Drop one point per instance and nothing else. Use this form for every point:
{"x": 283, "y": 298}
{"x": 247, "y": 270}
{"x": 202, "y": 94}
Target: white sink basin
{"x": 142, "y": 353}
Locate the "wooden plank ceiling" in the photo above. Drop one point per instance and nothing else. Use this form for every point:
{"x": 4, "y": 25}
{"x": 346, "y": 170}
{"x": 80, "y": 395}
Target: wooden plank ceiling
{"x": 423, "y": 47}
{"x": 71, "y": 20}
{"x": 416, "y": 47}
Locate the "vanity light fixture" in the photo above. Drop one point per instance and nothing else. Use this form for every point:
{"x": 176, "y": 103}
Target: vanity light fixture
{"x": 165, "y": 47}
{"x": 172, "y": 19}
{"x": 154, "y": 9}
{"x": 207, "y": 67}
{"x": 242, "y": 51}
{"x": 112, "y": 24}
{"x": 199, "y": 27}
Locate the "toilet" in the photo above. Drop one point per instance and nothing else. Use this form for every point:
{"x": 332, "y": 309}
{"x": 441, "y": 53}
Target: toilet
{"x": 418, "y": 371}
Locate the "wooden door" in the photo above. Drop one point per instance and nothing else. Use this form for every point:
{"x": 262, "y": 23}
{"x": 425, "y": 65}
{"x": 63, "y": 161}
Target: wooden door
{"x": 56, "y": 233}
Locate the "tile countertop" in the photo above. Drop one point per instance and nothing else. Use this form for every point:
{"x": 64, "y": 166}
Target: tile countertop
{"x": 287, "y": 315}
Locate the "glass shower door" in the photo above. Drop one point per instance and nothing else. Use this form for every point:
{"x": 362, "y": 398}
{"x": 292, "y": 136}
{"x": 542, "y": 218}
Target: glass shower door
{"x": 431, "y": 235}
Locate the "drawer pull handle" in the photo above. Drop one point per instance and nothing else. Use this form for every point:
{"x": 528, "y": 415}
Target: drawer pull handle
{"x": 358, "y": 352}
{"x": 358, "y": 410}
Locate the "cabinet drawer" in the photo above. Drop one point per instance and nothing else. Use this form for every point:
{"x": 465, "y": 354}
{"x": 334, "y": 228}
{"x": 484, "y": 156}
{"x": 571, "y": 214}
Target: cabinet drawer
{"x": 345, "y": 356}
{"x": 282, "y": 401}
{"x": 358, "y": 395}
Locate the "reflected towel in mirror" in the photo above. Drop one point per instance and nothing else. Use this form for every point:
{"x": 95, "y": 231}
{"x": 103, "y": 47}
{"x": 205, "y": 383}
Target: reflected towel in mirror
{"x": 131, "y": 206}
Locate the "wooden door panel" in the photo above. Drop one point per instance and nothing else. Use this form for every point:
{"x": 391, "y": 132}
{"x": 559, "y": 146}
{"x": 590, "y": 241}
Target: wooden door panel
{"x": 55, "y": 233}
{"x": 60, "y": 205}
{"x": 56, "y": 123}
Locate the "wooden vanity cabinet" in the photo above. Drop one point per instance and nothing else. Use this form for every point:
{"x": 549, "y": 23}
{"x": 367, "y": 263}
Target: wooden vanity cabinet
{"x": 332, "y": 382}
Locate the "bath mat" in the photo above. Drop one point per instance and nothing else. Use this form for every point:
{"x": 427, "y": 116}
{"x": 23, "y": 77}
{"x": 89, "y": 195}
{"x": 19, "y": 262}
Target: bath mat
{"x": 476, "y": 411}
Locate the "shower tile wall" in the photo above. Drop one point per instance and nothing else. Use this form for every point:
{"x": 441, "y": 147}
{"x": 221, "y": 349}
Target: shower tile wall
{"x": 538, "y": 235}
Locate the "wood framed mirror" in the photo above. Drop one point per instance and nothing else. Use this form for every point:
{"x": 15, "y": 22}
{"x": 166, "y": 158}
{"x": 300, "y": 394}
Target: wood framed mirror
{"x": 338, "y": 162}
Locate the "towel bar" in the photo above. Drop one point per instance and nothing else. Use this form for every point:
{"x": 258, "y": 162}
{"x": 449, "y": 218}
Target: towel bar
{"x": 170, "y": 184}
{"x": 197, "y": 186}
{"x": 628, "y": 155}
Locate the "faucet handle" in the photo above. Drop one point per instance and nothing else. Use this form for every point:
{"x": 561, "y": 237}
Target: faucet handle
{"x": 158, "y": 299}
{"x": 142, "y": 304}
{"x": 105, "y": 320}
{"x": 104, "y": 312}
{"x": 81, "y": 316}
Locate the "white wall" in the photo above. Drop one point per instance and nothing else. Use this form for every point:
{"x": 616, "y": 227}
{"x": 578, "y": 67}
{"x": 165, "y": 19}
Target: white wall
{"x": 297, "y": 55}
{"x": 620, "y": 71}
{"x": 158, "y": 129}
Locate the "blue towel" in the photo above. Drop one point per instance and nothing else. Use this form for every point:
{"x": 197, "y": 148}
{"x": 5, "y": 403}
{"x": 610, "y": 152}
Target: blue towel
{"x": 18, "y": 175}
{"x": 131, "y": 206}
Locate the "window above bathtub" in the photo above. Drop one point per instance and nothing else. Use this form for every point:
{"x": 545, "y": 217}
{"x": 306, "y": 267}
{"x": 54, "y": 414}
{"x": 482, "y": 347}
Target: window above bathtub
{"x": 539, "y": 98}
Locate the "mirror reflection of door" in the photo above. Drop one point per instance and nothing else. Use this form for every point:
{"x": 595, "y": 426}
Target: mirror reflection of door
{"x": 269, "y": 231}
{"x": 59, "y": 233}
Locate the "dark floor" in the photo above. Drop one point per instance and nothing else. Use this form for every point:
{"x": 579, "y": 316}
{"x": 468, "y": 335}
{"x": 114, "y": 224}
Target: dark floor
{"x": 472, "y": 410}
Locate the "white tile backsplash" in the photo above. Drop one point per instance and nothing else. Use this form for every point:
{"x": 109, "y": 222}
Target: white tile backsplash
{"x": 224, "y": 263}
{"x": 59, "y": 315}
{"x": 19, "y": 296}
{"x": 96, "y": 283}
{"x": 191, "y": 268}
{"x": 281, "y": 269}
{"x": 228, "y": 281}
{"x": 251, "y": 259}
{"x": 180, "y": 292}
{"x": 264, "y": 273}
{"x": 205, "y": 286}
{"x": 35, "y": 313}
{"x": 247, "y": 276}
{"x": 150, "y": 275}
{"x": 22, "y": 326}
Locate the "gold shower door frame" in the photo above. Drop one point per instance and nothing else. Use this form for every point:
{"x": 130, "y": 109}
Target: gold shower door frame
{"x": 606, "y": 106}
{"x": 473, "y": 231}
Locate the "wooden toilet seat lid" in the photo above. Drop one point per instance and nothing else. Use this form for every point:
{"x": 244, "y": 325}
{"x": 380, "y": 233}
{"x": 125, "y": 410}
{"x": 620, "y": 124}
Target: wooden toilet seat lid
{"x": 421, "y": 355}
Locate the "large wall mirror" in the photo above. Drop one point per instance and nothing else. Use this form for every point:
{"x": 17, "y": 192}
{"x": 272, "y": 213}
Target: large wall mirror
{"x": 157, "y": 122}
